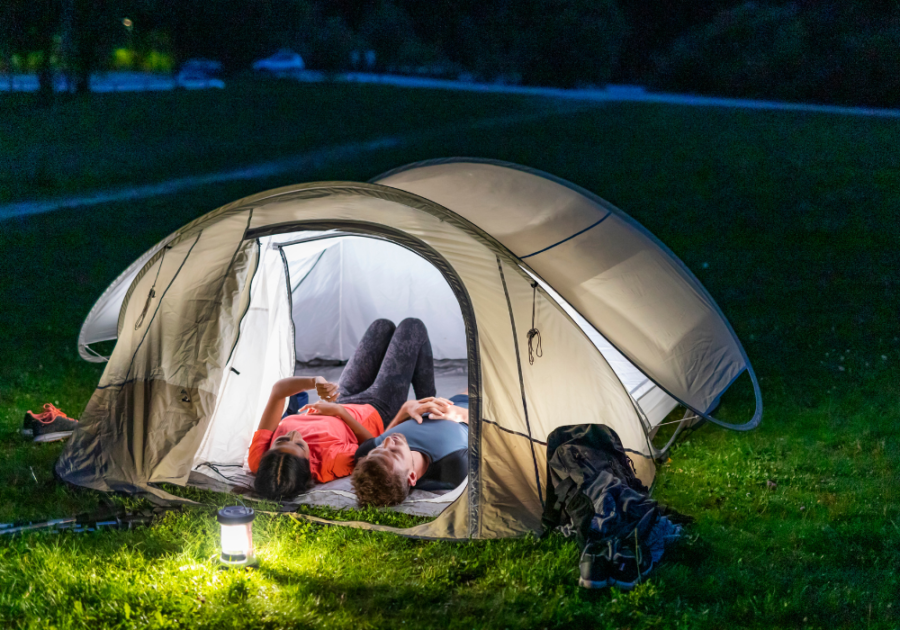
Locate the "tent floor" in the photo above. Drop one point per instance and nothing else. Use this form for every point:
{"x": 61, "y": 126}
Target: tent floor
{"x": 450, "y": 376}
{"x": 337, "y": 494}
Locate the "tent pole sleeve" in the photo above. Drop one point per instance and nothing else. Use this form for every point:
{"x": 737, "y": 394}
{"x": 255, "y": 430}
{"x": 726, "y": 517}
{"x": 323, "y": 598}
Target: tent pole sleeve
{"x": 757, "y": 416}
{"x": 290, "y": 297}
{"x": 747, "y": 426}
{"x": 89, "y": 354}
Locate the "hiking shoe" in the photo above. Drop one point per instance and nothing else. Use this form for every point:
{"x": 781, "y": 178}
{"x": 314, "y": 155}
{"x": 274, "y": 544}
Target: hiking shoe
{"x": 595, "y": 567}
{"x": 628, "y": 571}
{"x": 607, "y": 564}
{"x": 49, "y": 426}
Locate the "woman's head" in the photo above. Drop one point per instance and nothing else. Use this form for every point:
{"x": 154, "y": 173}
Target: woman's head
{"x": 284, "y": 470}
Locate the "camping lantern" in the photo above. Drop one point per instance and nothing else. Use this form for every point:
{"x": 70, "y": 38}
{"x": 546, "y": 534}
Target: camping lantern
{"x": 237, "y": 535}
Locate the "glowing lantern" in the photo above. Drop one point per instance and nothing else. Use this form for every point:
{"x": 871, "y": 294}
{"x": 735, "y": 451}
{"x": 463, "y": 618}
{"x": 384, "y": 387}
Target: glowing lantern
{"x": 237, "y": 535}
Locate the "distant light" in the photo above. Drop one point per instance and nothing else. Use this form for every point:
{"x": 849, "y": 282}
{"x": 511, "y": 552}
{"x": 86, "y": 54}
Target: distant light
{"x": 127, "y": 23}
{"x": 237, "y": 535}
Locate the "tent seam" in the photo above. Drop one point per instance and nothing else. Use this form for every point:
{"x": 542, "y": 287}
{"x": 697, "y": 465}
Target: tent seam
{"x": 305, "y": 276}
{"x": 502, "y": 428}
{"x": 227, "y": 273}
{"x": 568, "y": 238}
{"x": 512, "y": 321}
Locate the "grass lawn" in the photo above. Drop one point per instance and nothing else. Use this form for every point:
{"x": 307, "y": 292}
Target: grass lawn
{"x": 790, "y": 220}
{"x": 136, "y": 138}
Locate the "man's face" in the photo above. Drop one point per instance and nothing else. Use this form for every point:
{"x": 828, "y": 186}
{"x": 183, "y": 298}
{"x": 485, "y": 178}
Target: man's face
{"x": 291, "y": 442}
{"x": 394, "y": 452}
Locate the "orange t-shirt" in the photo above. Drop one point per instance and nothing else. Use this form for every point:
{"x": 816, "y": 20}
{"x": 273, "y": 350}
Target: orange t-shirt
{"x": 332, "y": 444}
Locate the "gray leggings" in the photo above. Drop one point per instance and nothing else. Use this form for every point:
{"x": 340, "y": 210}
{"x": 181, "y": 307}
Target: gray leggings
{"x": 388, "y": 359}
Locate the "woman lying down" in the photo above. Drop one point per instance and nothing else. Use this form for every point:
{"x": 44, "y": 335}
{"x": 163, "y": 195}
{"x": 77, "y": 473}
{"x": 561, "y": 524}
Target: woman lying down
{"x": 320, "y": 443}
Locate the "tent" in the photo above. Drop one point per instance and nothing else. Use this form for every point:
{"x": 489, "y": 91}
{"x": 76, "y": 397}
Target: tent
{"x": 205, "y": 323}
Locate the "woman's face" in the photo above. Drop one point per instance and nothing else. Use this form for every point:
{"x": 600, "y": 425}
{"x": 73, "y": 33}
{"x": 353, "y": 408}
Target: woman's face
{"x": 293, "y": 443}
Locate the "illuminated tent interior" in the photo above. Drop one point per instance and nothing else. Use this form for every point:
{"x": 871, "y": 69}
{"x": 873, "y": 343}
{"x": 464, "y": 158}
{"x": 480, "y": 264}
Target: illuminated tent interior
{"x": 482, "y": 252}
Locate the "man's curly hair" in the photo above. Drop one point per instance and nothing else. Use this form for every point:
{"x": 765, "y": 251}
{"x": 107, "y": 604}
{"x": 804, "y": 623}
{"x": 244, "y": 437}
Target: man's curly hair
{"x": 377, "y": 483}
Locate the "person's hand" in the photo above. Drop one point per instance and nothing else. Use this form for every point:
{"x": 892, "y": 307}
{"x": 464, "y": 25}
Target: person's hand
{"x": 322, "y": 408}
{"x": 326, "y": 391}
{"x": 437, "y": 407}
{"x": 454, "y": 413}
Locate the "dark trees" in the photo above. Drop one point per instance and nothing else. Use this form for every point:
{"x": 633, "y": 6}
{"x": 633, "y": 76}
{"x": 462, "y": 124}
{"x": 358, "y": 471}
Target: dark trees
{"x": 572, "y": 42}
{"x": 89, "y": 29}
{"x": 826, "y": 53}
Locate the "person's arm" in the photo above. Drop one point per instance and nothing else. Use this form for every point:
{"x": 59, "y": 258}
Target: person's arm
{"x": 286, "y": 387}
{"x": 333, "y": 409}
{"x": 415, "y": 408}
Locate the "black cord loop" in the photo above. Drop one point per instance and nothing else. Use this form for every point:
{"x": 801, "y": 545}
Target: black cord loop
{"x": 534, "y": 350}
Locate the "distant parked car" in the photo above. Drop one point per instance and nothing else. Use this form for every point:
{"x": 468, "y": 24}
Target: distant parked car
{"x": 196, "y": 80}
{"x": 281, "y": 62}
{"x": 209, "y": 67}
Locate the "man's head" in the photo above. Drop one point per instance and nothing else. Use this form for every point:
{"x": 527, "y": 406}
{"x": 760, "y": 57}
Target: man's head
{"x": 384, "y": 476}
{"x": 284, "y": 470}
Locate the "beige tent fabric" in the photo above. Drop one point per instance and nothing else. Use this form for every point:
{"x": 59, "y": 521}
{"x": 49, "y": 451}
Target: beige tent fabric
{"x": 654, "y": 313}
{"x": 511, "y": 505}
{"x": 571, "y": 382}
{"x": 147, "y": 416}
{"x": 618, "y": 277}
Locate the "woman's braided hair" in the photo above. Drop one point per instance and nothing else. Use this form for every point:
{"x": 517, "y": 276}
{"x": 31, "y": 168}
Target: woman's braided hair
{"x": 282, "y": 475}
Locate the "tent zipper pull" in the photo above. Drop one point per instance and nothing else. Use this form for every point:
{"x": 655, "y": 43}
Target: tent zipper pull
{"x": 152, "y": 293}
{"x": 150, "y": 297}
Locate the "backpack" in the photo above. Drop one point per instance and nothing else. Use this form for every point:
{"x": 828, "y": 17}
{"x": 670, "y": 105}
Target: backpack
{"x": 594, "y": 495}
{"x": 585, "y": 462}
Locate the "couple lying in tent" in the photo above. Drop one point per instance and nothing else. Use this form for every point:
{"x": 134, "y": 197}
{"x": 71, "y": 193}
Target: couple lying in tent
{"x": 330, "y": 439}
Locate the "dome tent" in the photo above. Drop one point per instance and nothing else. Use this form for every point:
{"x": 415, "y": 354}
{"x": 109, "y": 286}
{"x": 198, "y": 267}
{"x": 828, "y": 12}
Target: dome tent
{"x": 204, "y": 328}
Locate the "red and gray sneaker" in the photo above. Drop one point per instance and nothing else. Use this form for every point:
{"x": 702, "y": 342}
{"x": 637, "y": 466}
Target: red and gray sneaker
{"x": 50, "y": 426}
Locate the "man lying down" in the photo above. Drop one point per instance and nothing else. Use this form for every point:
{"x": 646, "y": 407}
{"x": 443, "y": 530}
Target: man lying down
{"x": 320, "y": 442}
{"x": 430, "y": 453}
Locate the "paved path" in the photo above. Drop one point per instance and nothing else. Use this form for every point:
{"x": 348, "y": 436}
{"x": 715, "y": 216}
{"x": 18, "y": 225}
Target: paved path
{"x": 145, "y": 81}
{"x": 617, "y": 94}
{"x": 295, "y": 164}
